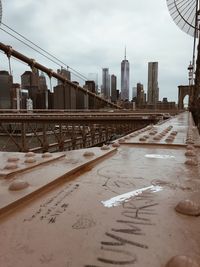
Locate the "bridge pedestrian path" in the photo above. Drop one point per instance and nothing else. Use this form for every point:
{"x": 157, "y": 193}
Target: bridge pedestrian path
{"x": 136, "y": 203}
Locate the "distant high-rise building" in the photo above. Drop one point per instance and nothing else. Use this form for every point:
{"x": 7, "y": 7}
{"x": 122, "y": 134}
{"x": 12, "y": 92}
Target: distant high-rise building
{"x": 30, "y": 82}
{"x": 94, "y": 77}
{"x": 65, "y": 73}
{"x": 140, "y": 95}
{"x": 125, "y": 78}
{"x": 113, "y": 88}
{"x": 91, "y": 87}
{"x": 16, "y": 96}
{"x": 42, "y": 95}
{"x": 134, "y": 92}
{"x": 42, "y": 82}
{"x": 6, "y": 82}
{"x": 153, "y": 90}
{"x": 105, "y": 83}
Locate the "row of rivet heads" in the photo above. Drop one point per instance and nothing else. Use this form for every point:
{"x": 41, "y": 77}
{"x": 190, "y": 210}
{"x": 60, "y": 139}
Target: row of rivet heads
{"x": 135, "y": 134}
{"x": 20, "y": 184}
{"x": 190, "y": 135}
{"x": 29, "y": 158}
{"x": 193, "y": 154}
{"x": 157, "y": 136}
{"x": 170, "y": 138}
{"x": 190, "y": 208}
{"x": 190, "y": 120}
{"x": 12, "y": 165}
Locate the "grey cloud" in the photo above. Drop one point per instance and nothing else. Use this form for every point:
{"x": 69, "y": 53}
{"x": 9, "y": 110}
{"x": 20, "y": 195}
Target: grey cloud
{"x": 92, "y": 34}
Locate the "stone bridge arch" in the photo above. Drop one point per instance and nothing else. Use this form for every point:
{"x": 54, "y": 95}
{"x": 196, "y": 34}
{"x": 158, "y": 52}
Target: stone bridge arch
{"x": 184, "y": 90}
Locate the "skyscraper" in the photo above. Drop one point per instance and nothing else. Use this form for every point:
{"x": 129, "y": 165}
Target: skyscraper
{"x": 134, "y": 92}
{"x": 125, "y": 78}
{"x": 42, "y": 95}
{"x": 140, "y": 95}
{"x": 153, "y": 90}
{"x": 94, "y": 77}
{"x": 6, "y": 81}
{"x": 113, "y": 88}
{"x": 105, "y": 83}
{"x": 30, "y": 82}
{"x": 65, "y": 73}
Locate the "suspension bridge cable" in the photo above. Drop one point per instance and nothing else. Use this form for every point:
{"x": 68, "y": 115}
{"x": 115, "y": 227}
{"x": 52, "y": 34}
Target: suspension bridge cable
{"x": 15, "y": 59}
{"x": 25, "y": 38}
{"x": 75, "y": 74}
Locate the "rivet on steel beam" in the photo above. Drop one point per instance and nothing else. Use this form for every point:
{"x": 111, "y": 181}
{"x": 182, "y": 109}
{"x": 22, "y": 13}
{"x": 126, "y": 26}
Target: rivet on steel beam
{"x": 11, "y": 166}
{"x": 88, "y": 154}
{"x": 30, "y": 160}
{"x": 18, "y": 185}
{"x": 191, "y": 162}
{"x": 188, "y": 207}
{"x": 105, "y": 147}
{"x": 169, "y": 139}
{"x": 174, "y": 133}
{"x": 12, "y": 159}
{"x": 182, "y": 261}
{"x": 190, "y": 153}
{"x": 47, "y": 155}
{"x": 30, "y": 154}
{"x": 190, "y": 147}
{"x": 116, "y": 144}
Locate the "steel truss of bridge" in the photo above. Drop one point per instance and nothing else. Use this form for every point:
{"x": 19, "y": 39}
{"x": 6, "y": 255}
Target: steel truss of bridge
{"x": 67, "y": 131}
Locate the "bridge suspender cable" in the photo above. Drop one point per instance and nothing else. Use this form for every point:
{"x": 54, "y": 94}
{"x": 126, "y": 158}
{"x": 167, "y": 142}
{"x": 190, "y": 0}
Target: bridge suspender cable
{"x": 32, "y": 63}
{"x": 53, "y": 58}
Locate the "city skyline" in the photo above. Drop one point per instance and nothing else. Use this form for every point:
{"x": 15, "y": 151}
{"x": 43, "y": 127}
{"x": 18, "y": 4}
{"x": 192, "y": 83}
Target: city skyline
{"x": 83, "y": 47}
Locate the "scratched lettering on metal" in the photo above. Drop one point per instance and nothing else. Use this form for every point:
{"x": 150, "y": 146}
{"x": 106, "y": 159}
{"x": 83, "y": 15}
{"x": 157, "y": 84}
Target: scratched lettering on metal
{"x": 117, "y": 246}
{"x": 54, "y": 207}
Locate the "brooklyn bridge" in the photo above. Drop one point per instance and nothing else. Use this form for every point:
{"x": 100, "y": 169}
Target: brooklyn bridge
{"x": 97, "y": 182}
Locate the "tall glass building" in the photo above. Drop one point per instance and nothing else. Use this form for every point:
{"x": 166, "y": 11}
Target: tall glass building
{"x": 125, "y": 78}
{"x": 105, "y": 83}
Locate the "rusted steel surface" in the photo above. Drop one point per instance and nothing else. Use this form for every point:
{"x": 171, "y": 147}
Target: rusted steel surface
{"x": 106, "y": 207}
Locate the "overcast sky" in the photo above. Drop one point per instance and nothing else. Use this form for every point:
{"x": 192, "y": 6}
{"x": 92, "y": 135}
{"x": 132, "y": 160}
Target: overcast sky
{"x": 91, "y": 34}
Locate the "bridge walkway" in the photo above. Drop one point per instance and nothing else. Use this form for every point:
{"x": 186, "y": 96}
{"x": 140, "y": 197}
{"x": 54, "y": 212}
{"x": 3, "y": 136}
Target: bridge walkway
{"x": 113, "y": 206}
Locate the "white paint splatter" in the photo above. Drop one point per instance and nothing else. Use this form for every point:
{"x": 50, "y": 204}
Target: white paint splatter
{"x": 118, "y": 200}
{"x": 156, "y": 156}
